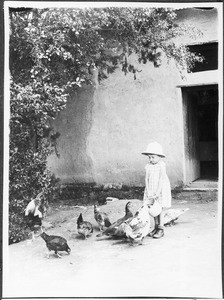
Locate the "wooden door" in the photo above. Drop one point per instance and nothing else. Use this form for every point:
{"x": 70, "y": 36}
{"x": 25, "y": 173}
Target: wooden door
{"x": 191, "y": 136}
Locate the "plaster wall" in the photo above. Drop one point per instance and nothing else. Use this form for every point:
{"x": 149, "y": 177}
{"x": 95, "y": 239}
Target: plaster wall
{"x": 105, "y": 128}
{"x": 74, "y": 125}
{"x": 207, "y": 21}
{"x": 127, "y": 115}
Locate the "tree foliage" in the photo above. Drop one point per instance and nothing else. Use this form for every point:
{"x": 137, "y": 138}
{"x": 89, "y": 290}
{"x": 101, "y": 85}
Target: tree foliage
{"x": 55, "y": 50}
{"x": 63, "y": 46}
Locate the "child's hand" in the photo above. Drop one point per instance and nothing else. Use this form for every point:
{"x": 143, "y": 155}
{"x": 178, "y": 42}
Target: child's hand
{"x": 155, "y": 196}
{"x": 150, "y": 201}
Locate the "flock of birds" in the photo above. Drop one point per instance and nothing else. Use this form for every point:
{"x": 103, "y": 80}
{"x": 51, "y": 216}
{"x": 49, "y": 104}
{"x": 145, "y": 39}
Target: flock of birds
{"x": 133, "y": 227}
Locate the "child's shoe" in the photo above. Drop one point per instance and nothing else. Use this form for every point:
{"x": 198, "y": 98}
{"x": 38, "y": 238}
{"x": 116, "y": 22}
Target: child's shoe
{"x": 159, "y": 234}
{"x": 151, "y": 234}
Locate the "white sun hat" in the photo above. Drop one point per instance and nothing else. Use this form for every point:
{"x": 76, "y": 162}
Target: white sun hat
{"x": 154, "y": 148}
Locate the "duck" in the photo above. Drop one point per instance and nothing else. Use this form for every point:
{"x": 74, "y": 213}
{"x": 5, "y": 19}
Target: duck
{"x": 33, "y": 215}
{"x": 55, "y": 243}
{"x": 84, "y": 228}
{"x": 137, "y": 227}
{"x": 101, "y": 218}
{"x": 171, "y": 215}
{"x": 113, "y": 230}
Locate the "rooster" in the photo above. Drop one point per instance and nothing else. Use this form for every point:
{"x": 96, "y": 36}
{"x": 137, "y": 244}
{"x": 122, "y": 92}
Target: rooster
{"x": 137, "y": 227}
{"x": 112, "y": 230}
{"x": 55, "y": 243}
{"x": 101, "y": 218}
{"x": 171, "y": 215}
{"x": 84, "y": 228}
{"x": 33, "y": 216}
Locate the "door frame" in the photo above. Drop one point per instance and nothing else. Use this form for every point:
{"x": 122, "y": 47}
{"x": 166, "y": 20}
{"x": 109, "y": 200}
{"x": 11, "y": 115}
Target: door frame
{"x": 194, "y": 173}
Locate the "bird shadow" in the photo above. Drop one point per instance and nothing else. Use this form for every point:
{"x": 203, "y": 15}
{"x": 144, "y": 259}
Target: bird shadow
{"x": 78, "y": 237}
{"x": 177, "y": 224}
{"x": 129, "y": 244}
{"x": 104, "y": 238}
{"x": 108, "y": 238}
{"x": 55, "y": 256}
{"x": 120, "y": 242}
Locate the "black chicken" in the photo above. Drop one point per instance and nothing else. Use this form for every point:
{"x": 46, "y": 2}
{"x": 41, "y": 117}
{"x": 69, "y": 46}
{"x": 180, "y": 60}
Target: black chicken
{"x": 84, "y": 228}
{"x": 112, "y": 229}
{"x": 55, "y": 243}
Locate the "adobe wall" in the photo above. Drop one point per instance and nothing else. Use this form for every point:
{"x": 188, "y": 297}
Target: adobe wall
{"x": 105, "y": 129}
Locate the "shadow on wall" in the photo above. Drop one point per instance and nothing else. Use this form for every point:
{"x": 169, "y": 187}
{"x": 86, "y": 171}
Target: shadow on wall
{"x": 74, "y": 125}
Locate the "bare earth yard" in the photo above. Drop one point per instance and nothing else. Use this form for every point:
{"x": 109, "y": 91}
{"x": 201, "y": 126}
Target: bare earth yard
{"x": 186, "y": 262}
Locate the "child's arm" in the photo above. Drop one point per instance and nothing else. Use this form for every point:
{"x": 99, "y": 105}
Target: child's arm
{"x": 147, "y": 181}
{"x": 149, "y": 200}
{"x": 161, "y": 178}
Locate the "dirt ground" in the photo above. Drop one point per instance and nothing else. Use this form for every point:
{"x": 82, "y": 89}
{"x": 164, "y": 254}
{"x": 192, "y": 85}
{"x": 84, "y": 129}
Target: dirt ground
{"x": 186, "y": 262}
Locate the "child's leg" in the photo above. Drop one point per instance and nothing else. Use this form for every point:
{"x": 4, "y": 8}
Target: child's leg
{"x": 156, "y": 220}
{"x": 160, "y": 219}
{"x": 160, "y": 230}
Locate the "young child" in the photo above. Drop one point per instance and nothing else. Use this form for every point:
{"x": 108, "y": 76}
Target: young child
{"x": 157, "y": 185}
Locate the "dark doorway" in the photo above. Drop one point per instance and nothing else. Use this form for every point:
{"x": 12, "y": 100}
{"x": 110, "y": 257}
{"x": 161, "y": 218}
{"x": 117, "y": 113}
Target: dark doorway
{"x": 201, "y": 132}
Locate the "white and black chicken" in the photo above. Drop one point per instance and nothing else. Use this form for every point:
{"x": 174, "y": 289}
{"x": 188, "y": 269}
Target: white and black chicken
{"x": 33, "y": 216}
{"x": 171, "y": 215}
{"x": 137, "y": 227}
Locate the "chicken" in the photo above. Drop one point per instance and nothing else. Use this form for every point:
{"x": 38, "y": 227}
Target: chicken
{"x": 55, "y": 243}
{"x": 33, "y": 216}
{"x": 84, "y": 228}
{"x": 101, "y": 218}
{"x": 112, "y": 230}
{"x": 171, "y": 215}
{"x": 137, "y": 227}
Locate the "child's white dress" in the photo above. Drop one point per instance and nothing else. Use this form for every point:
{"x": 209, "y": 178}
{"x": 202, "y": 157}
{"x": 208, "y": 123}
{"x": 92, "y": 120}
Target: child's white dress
{"x": 154, "y": 174}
